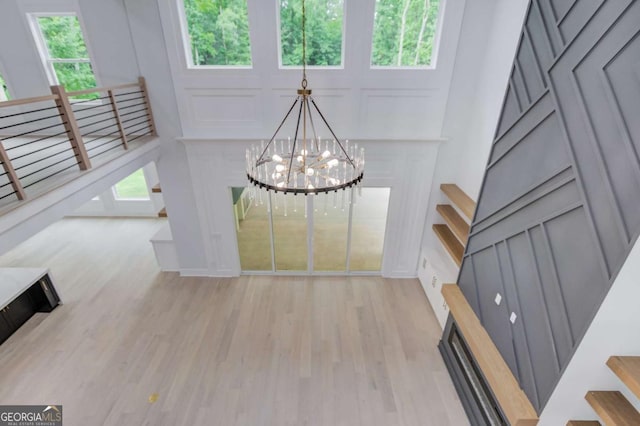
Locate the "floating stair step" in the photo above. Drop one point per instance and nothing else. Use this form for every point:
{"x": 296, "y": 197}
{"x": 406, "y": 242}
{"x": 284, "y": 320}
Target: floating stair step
{"x": 450, "y": 242}
{"x": 456, "y": 223}
{"x": 163, "y": 212}
{"x": 583, "y": 423}
{"x": 613, "y": 408}
{"x": 156, "y": 188}
{"x": 627, "y": 368}
{"x": 459, "y": 198}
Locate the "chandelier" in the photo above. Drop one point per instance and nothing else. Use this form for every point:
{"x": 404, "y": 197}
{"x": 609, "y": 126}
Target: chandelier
{"x": 306, "y": 164}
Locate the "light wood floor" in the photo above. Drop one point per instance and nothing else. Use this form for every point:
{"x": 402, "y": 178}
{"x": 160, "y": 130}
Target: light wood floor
{"x": 238, "y": 351}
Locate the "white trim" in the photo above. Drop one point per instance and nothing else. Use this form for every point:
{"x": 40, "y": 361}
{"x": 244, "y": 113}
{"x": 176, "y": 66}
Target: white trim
{"x": 317, "y": 67}
{"x": 434, "y": 51}
{"x": 3, "y": 74}
{"x": 183, "y": 30}
{"x": 43, "y": 50}
{"x": 197, "y": 272}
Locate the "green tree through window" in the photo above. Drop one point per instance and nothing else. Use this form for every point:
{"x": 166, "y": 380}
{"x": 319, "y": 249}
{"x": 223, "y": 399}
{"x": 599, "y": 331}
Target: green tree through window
{"x": 323, "y": 29}
{"x": 218, "y": 32}
{"x": 66, "y": 52}
{"x": 4, "y": 93}
{"x": 404, "y": 32}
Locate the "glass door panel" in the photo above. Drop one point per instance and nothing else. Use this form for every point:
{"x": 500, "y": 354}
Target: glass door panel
{"x": 330, "y": 231}
{"x": 289, "y": 231}
{"x": 368, "y": 227}
{"x": 253, "y": 229}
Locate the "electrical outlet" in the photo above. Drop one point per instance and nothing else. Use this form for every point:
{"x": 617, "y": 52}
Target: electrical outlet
{"x": 424, "y": 263}
{"x": 434, "y": 281}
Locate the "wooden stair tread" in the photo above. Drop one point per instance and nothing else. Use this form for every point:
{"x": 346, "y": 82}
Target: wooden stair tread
{"x": 583, "y": 423}
{"x": 459, "y": 198}
{"x": 163, "y": 212}
{"x": 627, "y": 368}
{"x": 156, "y": 188}
{"x": 512, "y": 400}
{"x": 613, "y": 408}
{"x": 450, "y": 242}
{"x": 456, "y": 223}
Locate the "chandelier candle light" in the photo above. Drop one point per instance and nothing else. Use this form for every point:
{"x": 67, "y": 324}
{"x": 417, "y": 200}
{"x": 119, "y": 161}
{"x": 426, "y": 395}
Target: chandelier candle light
{"x": 305, "y": 164}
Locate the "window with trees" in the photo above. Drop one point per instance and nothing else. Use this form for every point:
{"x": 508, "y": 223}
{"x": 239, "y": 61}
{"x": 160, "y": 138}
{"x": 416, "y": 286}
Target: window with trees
{"x": 64, "y": 51}
{"x": 218, "y": 32}
{"x": 404, "y": 33}
{"x": 324, "y": 27}
{"x": 133, "y": 187}
{"x": 4, "y": 92}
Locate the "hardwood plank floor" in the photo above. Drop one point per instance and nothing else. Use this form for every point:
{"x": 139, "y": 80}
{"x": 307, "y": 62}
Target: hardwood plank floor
{"x": 253, "y": 350}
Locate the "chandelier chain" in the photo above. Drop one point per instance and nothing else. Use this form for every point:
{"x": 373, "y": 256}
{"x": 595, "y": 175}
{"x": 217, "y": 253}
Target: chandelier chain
{"x": 303, "y": 165}
{"x": 304, "y": 46}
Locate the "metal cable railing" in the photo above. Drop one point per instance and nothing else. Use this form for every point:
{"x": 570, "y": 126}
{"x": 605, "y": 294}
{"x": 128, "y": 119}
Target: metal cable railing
{"x": 57, "y": 134}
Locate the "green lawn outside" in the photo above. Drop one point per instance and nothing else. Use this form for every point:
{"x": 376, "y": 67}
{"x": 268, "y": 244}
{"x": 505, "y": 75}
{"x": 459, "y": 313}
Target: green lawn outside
{"x": 133, "y": 187}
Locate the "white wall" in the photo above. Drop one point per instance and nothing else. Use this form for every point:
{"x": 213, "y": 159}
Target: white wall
{"x": 173, "y": 169}
{"x": 106, "y": 33}
{"x": 615, "y": 330}
{"x": 487, "y": 45}
{"x": 108, "y": 205}
{"x": 222, "y": 106}
{"x": 360, "y": 102}
{"x": 405, "y": 166}
{"x": 128, "y": 38}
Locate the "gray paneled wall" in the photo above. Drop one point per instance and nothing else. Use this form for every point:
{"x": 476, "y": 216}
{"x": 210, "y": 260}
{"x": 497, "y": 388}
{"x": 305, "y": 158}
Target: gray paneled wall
{"x": 559, "y": 208}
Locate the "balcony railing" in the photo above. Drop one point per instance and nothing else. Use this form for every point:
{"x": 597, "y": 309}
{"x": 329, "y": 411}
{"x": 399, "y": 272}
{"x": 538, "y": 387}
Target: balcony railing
{"x": 46, "y": 138}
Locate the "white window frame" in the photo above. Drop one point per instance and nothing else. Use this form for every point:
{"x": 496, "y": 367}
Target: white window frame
{"x": 434, "y": 52}
{"x": 186, "y": 43}
{"x": 118, "y": 198}
{"x": 4, "y": 78}
{"x": 106, "y": 204}
{"x": 41, "y": 44}
{"x": 317, "y": 67}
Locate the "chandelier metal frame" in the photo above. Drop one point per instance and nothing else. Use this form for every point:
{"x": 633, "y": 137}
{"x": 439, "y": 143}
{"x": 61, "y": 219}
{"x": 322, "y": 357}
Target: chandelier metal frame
{"x": 309, "y": 165}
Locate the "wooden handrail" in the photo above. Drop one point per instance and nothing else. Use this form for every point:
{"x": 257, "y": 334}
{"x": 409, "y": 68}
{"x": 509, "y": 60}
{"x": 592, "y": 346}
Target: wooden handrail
{"x": 16, "y": 102}
{"x": 71, "y": 126}
{"x": 66, "y": 114}
{"x": 11, "y": 174}
{"x": 512, "y": 399}
{"x": 152, "y": 124}
{"x": 116, "y": 114}
{"x": 102, "y": 89}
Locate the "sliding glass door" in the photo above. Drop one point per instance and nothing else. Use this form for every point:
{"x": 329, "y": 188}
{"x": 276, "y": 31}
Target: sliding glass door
{"x": 289, "y": 231}
{"x": 330, "y": 231}
{"x": 326, "y": 233}
{"x": 368, "y": 228}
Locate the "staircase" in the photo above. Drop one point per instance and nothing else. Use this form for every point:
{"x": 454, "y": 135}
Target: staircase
{"x": 454, "y": 232}
{"x": 611, "y": 406}
{"x": 157, "y": 190}
{"x": 439, "y": 266}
